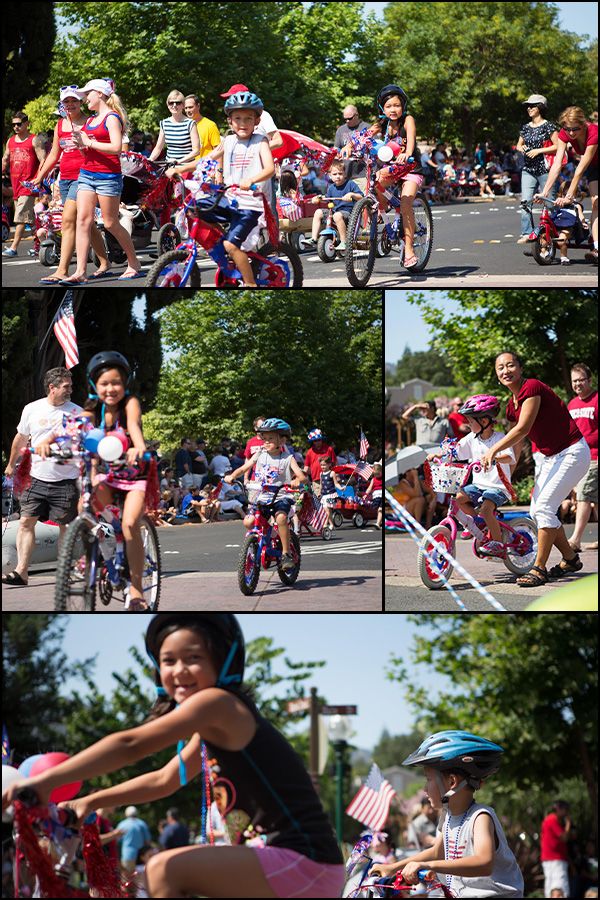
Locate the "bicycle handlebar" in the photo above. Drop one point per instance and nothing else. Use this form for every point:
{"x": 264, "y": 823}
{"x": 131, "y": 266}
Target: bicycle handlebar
{"x": 66, "y": 453}
{"x": 65, "y": 816}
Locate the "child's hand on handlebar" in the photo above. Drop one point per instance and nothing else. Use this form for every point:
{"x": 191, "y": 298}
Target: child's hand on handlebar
{"x": 228, "y": 479}
{"x": 247, "y": 184}
{"x": 383, "y": 869}
{"x": 81, "y": 807}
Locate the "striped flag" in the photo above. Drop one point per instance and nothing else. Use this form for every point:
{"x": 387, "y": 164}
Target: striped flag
{"x": 318, "y": 513}
{"x": 364, "y": 469}
{"x": 364, "y": 445}
{"x": 64, "y": 329}
{"x": 371, "y": 805}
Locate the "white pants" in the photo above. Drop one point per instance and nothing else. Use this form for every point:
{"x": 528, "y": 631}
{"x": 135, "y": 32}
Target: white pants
{"x": 556, "y": 478}
{"x": 556, "y": 875}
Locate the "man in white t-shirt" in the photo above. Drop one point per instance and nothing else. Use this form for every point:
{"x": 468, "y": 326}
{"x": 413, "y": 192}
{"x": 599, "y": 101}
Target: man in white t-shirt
{"x": 54, "y": 489}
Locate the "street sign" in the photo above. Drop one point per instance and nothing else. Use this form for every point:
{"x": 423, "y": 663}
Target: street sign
{"x": 339, "y": 710}
{"x": 300, "y": 705}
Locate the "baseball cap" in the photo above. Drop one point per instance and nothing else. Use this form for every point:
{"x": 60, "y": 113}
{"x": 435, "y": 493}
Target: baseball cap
{"x": 103, "y": 85}
{"x": 236, "y": 89}
{"x": 535, "y": 99}
{"x": 70, "y": 90}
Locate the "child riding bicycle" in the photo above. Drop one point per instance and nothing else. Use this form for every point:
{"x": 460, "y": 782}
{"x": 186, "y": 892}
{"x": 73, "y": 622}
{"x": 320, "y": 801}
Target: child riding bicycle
{"x": 490, "y": 489}
{"x": 470, "y": 847}
{"x": 274, "y": 466}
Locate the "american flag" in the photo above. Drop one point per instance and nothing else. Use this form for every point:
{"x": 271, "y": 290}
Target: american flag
{"x": 313, "y": 512}
{"x": 371, "y": 805}
{"x": 288, "y": 209}
{"x": 64, "y": 329}
{"x": 364, "y": 445}
{"x": 364, "y": 469}
{"x": 6, "y": 756}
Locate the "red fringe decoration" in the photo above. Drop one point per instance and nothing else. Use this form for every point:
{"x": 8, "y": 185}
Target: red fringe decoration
{"x": 506, "y": 482}
{"x": 22, "y": 474}
{"x": 102, "y": 876}
{"x": 152, "y": 486}
{"x": 38, "y": 860}
{"x": 272, "y": 227}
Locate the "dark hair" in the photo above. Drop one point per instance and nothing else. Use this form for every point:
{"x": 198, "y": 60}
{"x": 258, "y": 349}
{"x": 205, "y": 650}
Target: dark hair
{"x": 91, "y": 404}
{"x": 173, "y": 812}
{"x": 21, "y": 115}
{"x": 194, "y": 98}
{"x": 511, "y": 353}
{"x": 183, "y": 441}
{"x": 55, "y": 376}
{"x": 257, "y": 420}
{"x": 287, "y": 182}
{"x": 141, "y": 853}
{"x": 581, "y": 367}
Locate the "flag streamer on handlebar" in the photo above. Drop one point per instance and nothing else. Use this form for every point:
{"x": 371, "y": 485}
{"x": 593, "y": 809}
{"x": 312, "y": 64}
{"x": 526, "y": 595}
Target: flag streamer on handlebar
{"x": 371, "y": 805}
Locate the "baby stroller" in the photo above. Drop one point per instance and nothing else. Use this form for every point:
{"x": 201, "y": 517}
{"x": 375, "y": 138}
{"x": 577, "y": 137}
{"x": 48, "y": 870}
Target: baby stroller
{"x": 48, "y": 250}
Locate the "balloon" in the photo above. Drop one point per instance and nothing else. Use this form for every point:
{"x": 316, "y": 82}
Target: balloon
{"x": 64, "y": 791}
{"x": 25, "y": 767}
{"x": 122, "y": 435}
{"x": 110, "y": 448}
{"x": 9, "y": 775}
{"x": 93, "y": 438}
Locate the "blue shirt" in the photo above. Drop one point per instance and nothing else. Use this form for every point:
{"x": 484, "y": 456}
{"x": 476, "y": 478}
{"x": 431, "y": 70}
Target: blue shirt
{"x": 349, "y": 187}
{"x": 136, "y": 834}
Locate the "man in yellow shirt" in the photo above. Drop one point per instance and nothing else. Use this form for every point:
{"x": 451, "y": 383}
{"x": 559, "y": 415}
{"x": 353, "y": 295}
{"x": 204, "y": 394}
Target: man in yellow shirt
{"x": 207, "y": 129}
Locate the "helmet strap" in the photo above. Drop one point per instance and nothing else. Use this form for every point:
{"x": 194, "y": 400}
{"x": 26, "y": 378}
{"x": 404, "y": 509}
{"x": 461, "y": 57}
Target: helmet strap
{"x": 447, "y": 794}
{"x": 224, "y": 678}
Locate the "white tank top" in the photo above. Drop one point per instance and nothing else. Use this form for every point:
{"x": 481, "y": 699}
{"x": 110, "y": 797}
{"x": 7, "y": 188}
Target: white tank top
{"x": 506, "y": 879}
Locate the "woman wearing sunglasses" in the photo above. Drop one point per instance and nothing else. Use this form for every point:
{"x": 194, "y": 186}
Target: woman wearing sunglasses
{"x": 177, "y": 133}
{"x": 583, "y": 138}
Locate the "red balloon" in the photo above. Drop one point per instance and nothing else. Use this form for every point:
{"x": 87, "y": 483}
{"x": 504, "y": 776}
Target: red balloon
{"x": 64, "y": 791}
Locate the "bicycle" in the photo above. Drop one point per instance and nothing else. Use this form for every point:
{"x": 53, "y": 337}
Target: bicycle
{"x": 262, "y": 544}
{"x": 360, "y": 883}
{"x": 92, "y": 558}
{"x": 368, "y": 235}
{"x": 519, "y": 540}
{"x": 277, "y": 265}
{"x": 545, "y": 237}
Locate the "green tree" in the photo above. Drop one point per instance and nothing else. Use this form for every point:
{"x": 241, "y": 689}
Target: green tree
{"x": 426, "y": 364}
{"x": 27, "y": 39}
{"x": 390, "y": 750}
{"x": 528, "y": 682}
{"x": 549, "y": 329}
{"x": 457, "y": 64}
{"x": 17, "y": 362}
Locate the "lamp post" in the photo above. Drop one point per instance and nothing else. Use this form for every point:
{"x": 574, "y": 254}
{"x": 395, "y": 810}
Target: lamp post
{"x": 340, "y": 730}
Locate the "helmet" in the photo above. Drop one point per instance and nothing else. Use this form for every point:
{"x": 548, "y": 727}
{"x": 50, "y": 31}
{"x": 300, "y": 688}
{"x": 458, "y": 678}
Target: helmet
{"x": 315, "y": 435}
{"x": 243, "y": 100}
{"x": 481, "y": 405}
{"x": 223, "y": 626}
{"x": 391, "y": 90}
{"x": 274, "y": 424}
{"x": 450, "y": 750}
{"x": 107, "y": 358}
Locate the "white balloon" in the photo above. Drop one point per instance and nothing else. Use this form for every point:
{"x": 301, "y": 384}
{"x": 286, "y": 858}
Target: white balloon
{"x": 110, "y": 448}
{"x": 385, "y": 153}
{"x": 9, "y": 775}
{"x": 9, "y": 558}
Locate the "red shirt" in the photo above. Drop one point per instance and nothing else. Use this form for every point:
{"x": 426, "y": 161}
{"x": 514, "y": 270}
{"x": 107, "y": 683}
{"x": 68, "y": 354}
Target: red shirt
{"x": 23, "y": 164}
{"x": 377, "y": 483}
{"x": 585, "y": 413}
{"x": 590, "y": 136}
{"x": 71, "y": 157}
{"x": 553, "y": 429}
{"x": 551, "y": 844}
{"x": 94, "y": 160}
{"x": 312, "y": 461}
{"x": 456, "y": 419}
{"x": 252, "y": 446}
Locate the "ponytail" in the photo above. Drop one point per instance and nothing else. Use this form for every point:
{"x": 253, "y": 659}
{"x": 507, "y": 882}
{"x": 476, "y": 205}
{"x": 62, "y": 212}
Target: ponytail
{"x": 115, "y": 103}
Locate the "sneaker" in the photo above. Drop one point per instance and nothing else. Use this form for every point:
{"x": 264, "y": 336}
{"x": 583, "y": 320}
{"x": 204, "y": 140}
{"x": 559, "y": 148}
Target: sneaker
{"x": 287, "y": 562}
{"x": 32, "y": 252}
{"x": 9, "y": 252}
{"x": 491, "y": 548}
{"x": 523, "y": 239}
{"x": 465, "y": 535}
{"x": 310, "y": 242}
{"x": 565, "y": 261}
{"x": 341, "y": 246}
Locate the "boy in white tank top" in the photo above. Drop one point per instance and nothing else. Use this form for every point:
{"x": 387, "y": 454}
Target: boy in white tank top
{"x": 470, "y": 853}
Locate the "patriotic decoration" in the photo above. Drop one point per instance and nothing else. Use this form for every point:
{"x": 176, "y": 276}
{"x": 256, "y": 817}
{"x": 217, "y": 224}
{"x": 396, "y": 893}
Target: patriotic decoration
{"x": 364, "y": 445}
{"x": 318, "y": 518}
{"x": 371, "y": 804}
{"x": 5, "y": 747}
{"x": 364, "y": 469}
{"x": 288, "y": 209}
{"x": 64, "y": 329}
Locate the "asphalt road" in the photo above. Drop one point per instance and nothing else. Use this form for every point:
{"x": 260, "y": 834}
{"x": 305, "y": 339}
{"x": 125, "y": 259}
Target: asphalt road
{"x": 404, "y": 591}
{"x": 199, "y": 573}
{"x": 474, "y": 244}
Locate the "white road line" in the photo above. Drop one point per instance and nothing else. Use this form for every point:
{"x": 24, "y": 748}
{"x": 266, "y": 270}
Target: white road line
{"x": 474, "y": 214}
{"x": 440, "y": 250}
{"x": 455, "y": 249}
{"x": 456, "y": 216}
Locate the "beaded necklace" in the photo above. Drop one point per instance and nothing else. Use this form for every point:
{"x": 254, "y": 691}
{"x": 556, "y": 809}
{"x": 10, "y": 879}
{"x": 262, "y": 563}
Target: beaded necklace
{"x": 455, "y": 853}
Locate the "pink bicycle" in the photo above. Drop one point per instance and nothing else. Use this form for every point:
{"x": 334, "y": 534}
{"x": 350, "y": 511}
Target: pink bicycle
{"x": 519, "y": 539}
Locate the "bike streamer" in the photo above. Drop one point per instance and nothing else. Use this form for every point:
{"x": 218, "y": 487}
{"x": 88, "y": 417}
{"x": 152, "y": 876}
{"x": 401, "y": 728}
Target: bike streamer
{"x": 407, "y": 518}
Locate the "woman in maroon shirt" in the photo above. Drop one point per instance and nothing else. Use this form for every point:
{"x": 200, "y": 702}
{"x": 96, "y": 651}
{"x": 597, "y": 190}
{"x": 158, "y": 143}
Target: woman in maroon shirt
{"x": 540, "y": 414}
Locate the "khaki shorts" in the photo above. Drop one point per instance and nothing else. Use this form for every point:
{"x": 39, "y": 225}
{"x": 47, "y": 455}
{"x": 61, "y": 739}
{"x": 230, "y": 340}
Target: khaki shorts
{"x": 24, "y": 214}
{"x": 587, "y": 489}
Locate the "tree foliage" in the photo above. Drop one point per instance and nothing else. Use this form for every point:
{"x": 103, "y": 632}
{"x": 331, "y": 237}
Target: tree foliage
{"x": 27, "y": 41}
{"x": 426, "y": 364}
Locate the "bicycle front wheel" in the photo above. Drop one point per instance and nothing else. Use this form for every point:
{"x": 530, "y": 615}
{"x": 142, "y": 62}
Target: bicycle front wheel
{"x": 423, "y": 240}
{"x": 434, "y": 569}
{"x": 76, "y": 571}
{"x": 169, "y": 271}
{"x": 249, "y": 565}
{"x": 290, "y": 262}
{"x": 361, "y": 242}
{"x": 151, "y": 576}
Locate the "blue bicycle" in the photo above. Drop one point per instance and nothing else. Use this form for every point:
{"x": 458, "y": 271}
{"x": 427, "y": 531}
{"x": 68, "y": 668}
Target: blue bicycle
{"x": 262, "y": 546}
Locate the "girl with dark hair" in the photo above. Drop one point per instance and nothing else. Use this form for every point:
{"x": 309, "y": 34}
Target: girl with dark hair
{"x": 538, "y": 413}
{"x": 199, "y": 668}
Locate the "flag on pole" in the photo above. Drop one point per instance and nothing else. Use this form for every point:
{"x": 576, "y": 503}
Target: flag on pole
{"x": 364, "y": 469}
{"x": 371, "y": 804}
{"x": 64, "y": 329}
{"x": 364, "y": 445}
{"x": 5, "y": 747}
{"x": 318, "y": 519}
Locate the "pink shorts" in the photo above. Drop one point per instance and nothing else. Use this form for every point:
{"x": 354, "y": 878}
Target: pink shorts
{"x": 121, "y": 485}
{"x": 292, "y": 875}
{"x": 412, "y": 176}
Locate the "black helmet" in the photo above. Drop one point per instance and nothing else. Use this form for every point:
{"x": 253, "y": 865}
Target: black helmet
{"x": 391, "y": 90}
{"x": 107, "y": 358}
{"x": 223, "y": 626}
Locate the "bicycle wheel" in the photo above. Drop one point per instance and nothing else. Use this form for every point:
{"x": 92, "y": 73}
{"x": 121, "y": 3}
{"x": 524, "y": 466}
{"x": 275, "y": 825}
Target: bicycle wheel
{"x": 519, "y": 562}
{"x": 326, "y": 248}
{"x": 543, "y": 250}
{"x": 169, "y": 269}
{"x": 423, "y": 240}
{"x": 361, "y": 242}
{"x": 151, "y": 576}
{"x": 434, "y": 569}
{"x": 249, "y": 565}
{"x": 167, "y": 238}
{"x": 289, "y": 256}
{"x": 289, "y": 576}
{"x": 75, "y": 589}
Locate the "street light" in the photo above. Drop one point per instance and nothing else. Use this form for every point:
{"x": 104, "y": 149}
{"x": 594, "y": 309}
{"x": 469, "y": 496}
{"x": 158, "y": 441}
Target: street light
{"x": 340, "y": 731}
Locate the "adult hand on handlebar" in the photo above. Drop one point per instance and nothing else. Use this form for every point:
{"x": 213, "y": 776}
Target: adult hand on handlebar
{"x": 44, "y": 449}
{"x": 133, "y": 454}
{"x": 488, "y": 459}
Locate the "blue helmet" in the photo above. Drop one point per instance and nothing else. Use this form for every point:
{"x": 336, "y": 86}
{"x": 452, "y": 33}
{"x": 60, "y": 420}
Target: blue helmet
{"x": 275, "y": 424}
{"x": 243, "y": 100}
{"x": 458, "y": 750}
{"x": 315, "y": 435}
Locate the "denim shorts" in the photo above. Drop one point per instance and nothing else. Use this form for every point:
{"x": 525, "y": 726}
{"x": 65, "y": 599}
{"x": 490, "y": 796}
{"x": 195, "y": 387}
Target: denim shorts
{"x": 103, "y": 184}
{"x": 242, "y": 223}
{"x": 280, "y": 506}
{"x": 478, "y": 495}
{"x": 68, "y": 189}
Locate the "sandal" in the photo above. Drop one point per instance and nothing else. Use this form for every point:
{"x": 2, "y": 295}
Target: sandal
{"x": 532, "y": 580}
{"x": 566, "y": 567}
{"x": 14, "y": 580}
{"x": 410, "y": 261}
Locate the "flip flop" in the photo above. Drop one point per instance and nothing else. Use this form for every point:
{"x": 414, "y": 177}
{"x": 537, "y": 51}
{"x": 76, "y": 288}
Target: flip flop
{"x": 408, "y": 264}
{"x": 131, "y": 277}
{"x": 96, "y": 275}
{"x": 50, "y": 280}
{"x": 74, "y": 282}
{"x": 13, "y": 579}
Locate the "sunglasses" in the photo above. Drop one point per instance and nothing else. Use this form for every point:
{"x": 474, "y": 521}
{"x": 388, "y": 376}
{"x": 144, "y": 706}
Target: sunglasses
{"x": 572, "y": 128}
{"x": 71, "y": 87}
{"x": 349, "y": 118}
{"x": 174, "y": 102}
{"x": 17, "y": 124}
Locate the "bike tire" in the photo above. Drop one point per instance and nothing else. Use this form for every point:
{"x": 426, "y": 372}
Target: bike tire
{"x": 290, "y": 576}
{"x": 543, "y": 252}
{"x": 427, "y": 570}
{"x": 152, "y": 576}
{"x": 360, "y": 246}
{"x": 514, "y": 562}
{"x": 249, "y": 565}
{"x": 423, "y": 240}
{"x": 167, "y": 238}
{"x": 165, "y": 270}
{"x": 48, "y": 256}
{"x": 68, "y": 589}
{"x": 326, "y": 248}
{"x": 285, "y": 250}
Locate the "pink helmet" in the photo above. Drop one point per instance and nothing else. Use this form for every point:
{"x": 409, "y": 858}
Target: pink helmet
{"x": 481, "y": 405}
